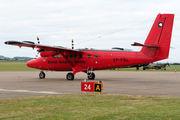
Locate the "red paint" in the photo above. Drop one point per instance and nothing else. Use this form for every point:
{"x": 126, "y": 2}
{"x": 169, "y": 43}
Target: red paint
{"x": 87, "y": 86}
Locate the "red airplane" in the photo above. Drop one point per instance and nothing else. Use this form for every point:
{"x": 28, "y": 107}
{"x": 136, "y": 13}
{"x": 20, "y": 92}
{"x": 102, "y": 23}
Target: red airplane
{"x": 56, "y": 58}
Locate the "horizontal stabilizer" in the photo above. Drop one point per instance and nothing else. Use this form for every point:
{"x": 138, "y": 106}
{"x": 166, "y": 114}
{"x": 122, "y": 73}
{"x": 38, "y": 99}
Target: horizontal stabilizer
{"x": 139, "y": 44}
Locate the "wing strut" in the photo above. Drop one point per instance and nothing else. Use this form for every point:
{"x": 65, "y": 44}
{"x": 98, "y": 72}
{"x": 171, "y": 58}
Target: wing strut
{"x": 74, "y": 68}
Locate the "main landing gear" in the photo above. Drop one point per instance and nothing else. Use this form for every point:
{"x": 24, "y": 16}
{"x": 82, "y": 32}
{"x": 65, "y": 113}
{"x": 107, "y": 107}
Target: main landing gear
{"x": 70, "y": 76}
{"x": 91, "y": 76}
{"x": 42, "y": 75}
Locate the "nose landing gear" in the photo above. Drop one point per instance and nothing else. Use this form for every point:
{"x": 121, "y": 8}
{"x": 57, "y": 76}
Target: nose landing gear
{"x": 70, "y": 76}
{"x": 42, "y": 75}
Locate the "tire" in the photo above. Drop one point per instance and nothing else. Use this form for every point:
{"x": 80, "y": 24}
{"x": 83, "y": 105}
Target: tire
{"x": 70, "y": 76}
{"x": 91, "y": 76}
{"x": 42, "y": 75}
{"x": 144, "y": 68}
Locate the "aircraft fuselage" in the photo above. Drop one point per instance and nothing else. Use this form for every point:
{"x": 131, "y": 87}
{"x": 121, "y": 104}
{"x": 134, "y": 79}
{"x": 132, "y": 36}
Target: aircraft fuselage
{"x": 95, "y": 60}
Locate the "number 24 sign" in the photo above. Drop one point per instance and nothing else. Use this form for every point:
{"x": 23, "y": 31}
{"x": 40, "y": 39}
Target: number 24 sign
{"x": 87, "y": 86}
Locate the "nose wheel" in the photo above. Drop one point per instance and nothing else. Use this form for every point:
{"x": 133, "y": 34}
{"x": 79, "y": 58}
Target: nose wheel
{"x": 70, "y": 76}
{"x": 42, "y": 75}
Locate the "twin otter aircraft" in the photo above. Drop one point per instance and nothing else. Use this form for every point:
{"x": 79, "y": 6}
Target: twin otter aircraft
{"x": 156, "y": 47}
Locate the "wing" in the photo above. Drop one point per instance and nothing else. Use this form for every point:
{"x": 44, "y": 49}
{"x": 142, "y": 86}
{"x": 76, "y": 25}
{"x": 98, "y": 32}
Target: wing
{"x": 52, "y": 50}
{"x": 45, "y": 47}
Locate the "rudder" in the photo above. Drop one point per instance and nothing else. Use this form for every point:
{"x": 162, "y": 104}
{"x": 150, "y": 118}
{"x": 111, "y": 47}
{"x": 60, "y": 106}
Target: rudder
{"x": 160, "y": 36}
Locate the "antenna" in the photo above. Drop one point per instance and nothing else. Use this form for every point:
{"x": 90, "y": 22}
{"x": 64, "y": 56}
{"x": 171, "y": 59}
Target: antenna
{"x": 72, "y": 44}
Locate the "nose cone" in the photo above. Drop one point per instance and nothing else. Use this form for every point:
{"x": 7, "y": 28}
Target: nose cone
{"x": 31, "y": 63}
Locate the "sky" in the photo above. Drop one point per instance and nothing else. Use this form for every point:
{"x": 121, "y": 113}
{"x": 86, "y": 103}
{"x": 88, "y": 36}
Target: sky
{"x": 100, "y": 24}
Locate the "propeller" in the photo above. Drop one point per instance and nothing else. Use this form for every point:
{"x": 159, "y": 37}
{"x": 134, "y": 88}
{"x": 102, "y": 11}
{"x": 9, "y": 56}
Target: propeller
{"x": 38, "y": 49}
{"x": 72, "y": 44}
{"x": 38, "y": 40}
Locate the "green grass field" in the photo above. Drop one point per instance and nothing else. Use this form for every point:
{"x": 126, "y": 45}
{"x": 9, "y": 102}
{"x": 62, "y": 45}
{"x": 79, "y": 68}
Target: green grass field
{"x": 86, "y": 106}
{"x": 14, "y": 66}
{"x": 171, "y": 68}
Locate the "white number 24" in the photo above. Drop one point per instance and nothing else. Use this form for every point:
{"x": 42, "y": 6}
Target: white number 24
{"x": 87, "y": 87}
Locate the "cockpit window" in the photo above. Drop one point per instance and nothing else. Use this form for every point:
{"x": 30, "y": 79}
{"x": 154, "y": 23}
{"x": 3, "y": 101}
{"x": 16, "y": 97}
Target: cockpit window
{"x": 89, "y": 56}
{"x": 58, "y": 56}
{"x": 96, "y": 56}
{"x": 71, "y": 56}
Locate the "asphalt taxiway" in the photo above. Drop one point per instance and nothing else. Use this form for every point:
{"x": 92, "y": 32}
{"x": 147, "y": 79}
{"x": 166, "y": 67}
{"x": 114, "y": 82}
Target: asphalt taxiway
{"x": 26, "y": 83}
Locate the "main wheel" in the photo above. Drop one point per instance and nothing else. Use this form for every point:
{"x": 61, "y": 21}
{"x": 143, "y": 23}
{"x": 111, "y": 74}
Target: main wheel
{"x": 42, "y": 75}
{"x": 91, "y": 76}
{"x": 70, "y": 76}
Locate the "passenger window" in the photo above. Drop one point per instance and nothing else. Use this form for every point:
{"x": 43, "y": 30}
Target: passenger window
{"x": 71, "y": 56}
{"x": 58, "y": 56}
{"x": 75, "y": 56}
{"x": 66, "y": 56}
{"x": 96, "y": 56}
{"x": 89, "y": 56}
{"x": 54, "y": 57}
{"x": 80, "y": 56}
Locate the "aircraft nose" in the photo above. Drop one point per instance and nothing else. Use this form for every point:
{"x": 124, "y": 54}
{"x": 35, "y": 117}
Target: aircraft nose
{"x": 31, "y": 63}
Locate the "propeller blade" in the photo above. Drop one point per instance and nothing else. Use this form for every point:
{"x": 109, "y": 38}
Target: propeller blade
{"x": 38, "y": 40}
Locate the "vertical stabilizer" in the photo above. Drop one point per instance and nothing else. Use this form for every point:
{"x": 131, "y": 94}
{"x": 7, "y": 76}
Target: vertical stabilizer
{"x": 160, "y": 36}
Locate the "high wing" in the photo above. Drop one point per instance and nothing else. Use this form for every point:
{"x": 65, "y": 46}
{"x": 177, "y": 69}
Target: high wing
{"x": 51, "y": 50}
{"x": 45, "y": 47}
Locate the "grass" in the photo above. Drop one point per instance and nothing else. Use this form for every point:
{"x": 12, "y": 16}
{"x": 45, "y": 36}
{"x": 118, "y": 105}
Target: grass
{"x": 14, "y": 65}
{"x": 91, "y": 106}
{"x": 171, "y": 68}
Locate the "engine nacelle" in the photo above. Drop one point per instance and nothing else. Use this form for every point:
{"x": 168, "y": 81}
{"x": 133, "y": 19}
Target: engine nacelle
{"x": 48, "y": 53}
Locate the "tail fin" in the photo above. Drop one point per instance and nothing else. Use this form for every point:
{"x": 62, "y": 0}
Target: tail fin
{"x": 157, "y": 43}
